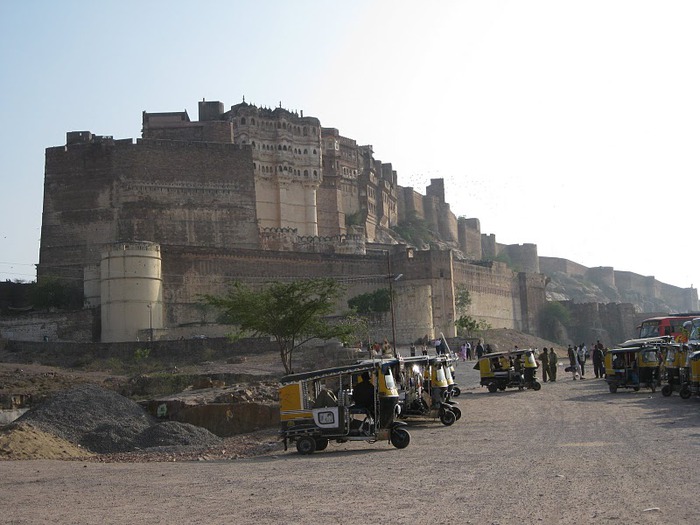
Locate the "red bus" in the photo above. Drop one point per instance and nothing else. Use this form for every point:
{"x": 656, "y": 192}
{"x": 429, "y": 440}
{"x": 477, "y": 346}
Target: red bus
{"x": 671, "y": 324}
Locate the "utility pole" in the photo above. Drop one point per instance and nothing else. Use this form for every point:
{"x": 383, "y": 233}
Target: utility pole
{"x": 392, "y": 278}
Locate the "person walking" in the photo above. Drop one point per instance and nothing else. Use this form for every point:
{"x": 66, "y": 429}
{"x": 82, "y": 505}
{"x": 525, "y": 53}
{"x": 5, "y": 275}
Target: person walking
{"x": 582, "y": 355}
{"x": 544, "y": 359}
{"x": 463, "y": 351}
{"x": 573, "y": 363}
{"x": 479, "y": 349}
{"x": 469, "y": 351}
{"x": 598, "y": 367}
{"x": 553, "y": 359}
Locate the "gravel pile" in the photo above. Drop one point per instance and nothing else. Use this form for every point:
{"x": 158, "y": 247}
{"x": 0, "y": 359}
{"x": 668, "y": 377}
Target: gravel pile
{"x": 105, "y": 422}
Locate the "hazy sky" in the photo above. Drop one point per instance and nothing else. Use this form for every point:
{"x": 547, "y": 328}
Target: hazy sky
{"x": 573, "y": 125}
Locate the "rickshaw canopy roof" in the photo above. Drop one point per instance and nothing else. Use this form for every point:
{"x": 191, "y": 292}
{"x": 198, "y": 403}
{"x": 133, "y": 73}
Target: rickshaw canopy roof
{"x": 519, "y": 351}
{"x": 640, "y": 348}
{"x": 357, "y": 368}
{"x": 646, "y": 341}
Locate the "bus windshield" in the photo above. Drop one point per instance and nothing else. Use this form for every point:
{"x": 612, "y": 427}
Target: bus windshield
{"x": 649, "y": 329}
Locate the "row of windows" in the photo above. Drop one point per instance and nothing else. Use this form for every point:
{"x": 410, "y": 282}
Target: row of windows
{"x": 281, "y": 147}
{"x": 296, "y": 130}
{"x": 270, "y": 169}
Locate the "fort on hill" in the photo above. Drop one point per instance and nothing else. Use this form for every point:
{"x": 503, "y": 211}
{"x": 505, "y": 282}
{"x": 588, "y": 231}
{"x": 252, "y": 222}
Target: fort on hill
{"x": 143, "y": 228}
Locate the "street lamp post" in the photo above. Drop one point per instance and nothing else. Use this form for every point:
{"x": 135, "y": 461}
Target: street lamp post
{"x": 392, "y": 278}
{"x": 150, "y": 321}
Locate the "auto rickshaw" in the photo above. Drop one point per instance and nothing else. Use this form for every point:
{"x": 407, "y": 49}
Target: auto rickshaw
{"x": 692, "y": 386}
{"x": 511, "y": 369}
{"x": 318, "y": 406}
{"x": 632, "y": 367}
{"x": 424, "y": 389}
{"x": 452, "y": 388}
{"x": 674, "y": 371}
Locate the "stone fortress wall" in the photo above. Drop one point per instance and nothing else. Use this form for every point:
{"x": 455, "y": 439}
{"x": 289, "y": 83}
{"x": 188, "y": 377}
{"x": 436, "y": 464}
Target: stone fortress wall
{"x": 259, "y": 194}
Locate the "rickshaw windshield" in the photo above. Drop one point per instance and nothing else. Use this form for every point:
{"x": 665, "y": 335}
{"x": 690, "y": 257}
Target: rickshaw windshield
{"x": 671, "y": 355}
{"x": 440, "y": 374}
{"x": 649, "y": 356}
{"x": 389, "y": 379}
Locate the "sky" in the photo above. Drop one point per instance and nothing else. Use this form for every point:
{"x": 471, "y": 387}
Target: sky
{"x": 573, "y": 125}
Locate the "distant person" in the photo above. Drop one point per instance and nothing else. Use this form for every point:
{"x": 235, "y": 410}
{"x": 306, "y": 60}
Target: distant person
{"x": 574, "y": 367}
{"x": 469, "y": 351}
{"x": 479, "y": 349}
{"x": 582, "y": 354}
{"x": 544, "y": 359}
{"x": 553, "y": 359}
{"x": 598, "y": 366}
{"x": 463, "y": 351}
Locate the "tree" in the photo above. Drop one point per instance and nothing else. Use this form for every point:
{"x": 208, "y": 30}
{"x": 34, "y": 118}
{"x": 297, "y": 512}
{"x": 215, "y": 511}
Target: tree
{"x": 372, "y": 302}
{"x": 291, "y": 313}
{"x": 467, "y": 325}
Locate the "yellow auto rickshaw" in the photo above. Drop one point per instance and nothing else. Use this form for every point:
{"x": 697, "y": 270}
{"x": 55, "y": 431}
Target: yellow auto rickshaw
{"x": 692, "y": 386}
{"x": 675, "y": 372}
{"x": 424, "y": 389}
{"x": 510, "y": 369}
{"x": 633, "y": 367}
{"x": 323, "y": 405}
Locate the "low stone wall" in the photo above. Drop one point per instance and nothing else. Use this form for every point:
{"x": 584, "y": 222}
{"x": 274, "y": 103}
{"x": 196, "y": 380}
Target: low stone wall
{"x": 222, "y": 419}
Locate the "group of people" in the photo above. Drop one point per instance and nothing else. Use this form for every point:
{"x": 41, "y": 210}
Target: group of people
{"x": 549, "y": 360}
{"x": 578, "y": 355}
{"x": 467, "y": 352}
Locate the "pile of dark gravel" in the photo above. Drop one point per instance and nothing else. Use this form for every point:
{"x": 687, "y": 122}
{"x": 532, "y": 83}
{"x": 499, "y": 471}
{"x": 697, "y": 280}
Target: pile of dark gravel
{"x": 105, "y": 422}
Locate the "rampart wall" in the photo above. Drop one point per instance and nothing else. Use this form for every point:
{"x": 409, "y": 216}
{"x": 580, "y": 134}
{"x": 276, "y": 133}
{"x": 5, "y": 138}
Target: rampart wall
{"x": 180, "y": 193}
{"x": 469, "y": 235}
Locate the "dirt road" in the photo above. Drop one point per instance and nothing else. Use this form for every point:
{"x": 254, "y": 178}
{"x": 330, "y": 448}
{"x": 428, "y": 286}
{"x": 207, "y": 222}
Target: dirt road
{"x": 570, "y": 453}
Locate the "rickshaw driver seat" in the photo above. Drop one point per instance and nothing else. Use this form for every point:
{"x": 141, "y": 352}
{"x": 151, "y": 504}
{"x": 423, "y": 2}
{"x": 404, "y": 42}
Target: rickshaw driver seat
{"x": 363, "y": 396}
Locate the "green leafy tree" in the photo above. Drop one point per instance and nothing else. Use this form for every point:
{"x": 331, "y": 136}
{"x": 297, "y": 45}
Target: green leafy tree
{"x": 462, "y": 298}
{"x": 468, "y": 326}
{"x": 372, "y": 302}
{"x": 291, "y": 313}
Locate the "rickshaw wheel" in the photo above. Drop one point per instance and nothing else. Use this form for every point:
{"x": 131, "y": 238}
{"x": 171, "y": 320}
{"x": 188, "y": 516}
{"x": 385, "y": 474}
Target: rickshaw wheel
{"x": 457, "y": 412}
{"x": 666, "y": 390}
{"x": 536, "y": 386}
{"x": 636, "y": 389}
{"x": 321, "y": 443}
{"x": 492, "y": 387}
{"x": 306, "y": 445}
{"x": 502, "y": 387}
{"x": 400, "y": 437}
{"x": 448, "y": 418}
{"x": 685, "y": 393}
{"x": 613, "y": 389}
{"x": 456, "y": 391}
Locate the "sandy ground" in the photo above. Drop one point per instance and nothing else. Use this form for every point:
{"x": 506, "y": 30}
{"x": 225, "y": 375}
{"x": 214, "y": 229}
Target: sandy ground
{"x": 570, "y": 453}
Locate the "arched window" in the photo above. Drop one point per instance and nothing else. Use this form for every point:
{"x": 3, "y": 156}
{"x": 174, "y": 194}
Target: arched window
{"x": 252, "y": 121}
{"x": 315, "y": 173}
{"x": 242, "y": 120}
{"x": 279, "y": 125}
{"x": 306, "y": 173}
{"x": 306, "y": 152}
{"x": 305, "y": 131}
{"x": 284, "y": 147}
{"x": 314, "y": 151}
